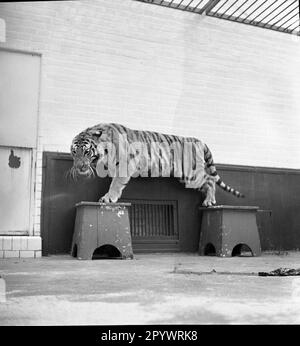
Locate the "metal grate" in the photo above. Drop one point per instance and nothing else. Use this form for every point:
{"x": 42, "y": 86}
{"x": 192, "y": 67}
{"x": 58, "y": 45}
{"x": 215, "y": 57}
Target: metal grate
{"x": 153, "y": 219}
{"x": 279, "y": 15}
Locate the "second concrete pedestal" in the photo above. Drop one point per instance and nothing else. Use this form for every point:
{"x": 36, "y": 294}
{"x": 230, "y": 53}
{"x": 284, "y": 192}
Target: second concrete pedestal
{"x": 225, "y": 229}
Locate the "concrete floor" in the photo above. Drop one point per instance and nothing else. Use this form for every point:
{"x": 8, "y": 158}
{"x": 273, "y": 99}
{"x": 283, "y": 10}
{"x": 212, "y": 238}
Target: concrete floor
{"x": 150, "y": 289}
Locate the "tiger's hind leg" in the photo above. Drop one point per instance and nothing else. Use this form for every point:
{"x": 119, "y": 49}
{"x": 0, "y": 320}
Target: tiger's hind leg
{"x": 209, "y": 189}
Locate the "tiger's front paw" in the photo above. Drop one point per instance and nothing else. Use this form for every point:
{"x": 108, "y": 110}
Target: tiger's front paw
{"x": 108, "y": 198}
{"x": 208, "y": 203}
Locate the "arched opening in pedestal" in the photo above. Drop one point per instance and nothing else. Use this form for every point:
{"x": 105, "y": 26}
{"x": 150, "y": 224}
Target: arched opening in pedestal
{"x": 242, "y": 250}
{"x": 209, "y": 250}
{"x": 74, "y": 250}
{"x": 106, "y": 251}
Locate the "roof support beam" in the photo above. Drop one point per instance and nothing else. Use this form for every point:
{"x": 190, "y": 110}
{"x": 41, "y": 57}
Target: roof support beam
{"x": 209, "y": 6}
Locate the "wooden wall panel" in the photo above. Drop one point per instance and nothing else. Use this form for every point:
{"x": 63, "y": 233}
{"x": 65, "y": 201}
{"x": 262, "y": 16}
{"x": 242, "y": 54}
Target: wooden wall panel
{"x": 15, "y": 190}
{"x": 19, "y": 98}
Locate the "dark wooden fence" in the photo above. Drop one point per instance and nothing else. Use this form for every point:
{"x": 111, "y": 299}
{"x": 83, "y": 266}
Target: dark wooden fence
{"x": 171, "y": 210}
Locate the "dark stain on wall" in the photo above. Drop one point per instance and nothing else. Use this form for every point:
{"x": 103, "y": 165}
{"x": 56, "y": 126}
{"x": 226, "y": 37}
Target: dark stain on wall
{"x": 13, "y": 160}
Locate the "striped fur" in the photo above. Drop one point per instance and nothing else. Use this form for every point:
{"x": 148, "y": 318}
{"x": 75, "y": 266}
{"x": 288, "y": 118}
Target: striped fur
{"x": 144, "y": 153}
{"x": 213, "y": 172}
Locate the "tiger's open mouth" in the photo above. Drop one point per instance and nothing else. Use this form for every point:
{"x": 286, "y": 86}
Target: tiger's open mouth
{"x": 84, "y": 173}
{"x": 76, "y": 172}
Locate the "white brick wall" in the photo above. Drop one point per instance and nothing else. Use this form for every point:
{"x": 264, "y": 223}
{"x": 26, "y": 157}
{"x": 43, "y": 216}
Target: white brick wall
{"x": 20, "y": 246}
{"x": 149, "y": 67}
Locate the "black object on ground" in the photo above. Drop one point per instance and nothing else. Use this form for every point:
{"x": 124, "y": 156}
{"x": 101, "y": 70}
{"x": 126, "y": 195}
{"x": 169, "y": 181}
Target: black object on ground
{"x": 281, "y": 272}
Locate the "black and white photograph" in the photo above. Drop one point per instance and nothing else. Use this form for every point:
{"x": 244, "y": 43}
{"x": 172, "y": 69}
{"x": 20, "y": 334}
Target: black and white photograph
{"x": 149, "y": 166}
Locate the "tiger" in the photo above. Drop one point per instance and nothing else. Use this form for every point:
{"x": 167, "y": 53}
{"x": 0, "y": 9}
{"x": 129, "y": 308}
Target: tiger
{"x": 114, "y": 150}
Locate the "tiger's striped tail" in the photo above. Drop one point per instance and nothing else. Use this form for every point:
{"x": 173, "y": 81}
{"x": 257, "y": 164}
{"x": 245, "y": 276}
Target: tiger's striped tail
{"x": 213, "y": 172}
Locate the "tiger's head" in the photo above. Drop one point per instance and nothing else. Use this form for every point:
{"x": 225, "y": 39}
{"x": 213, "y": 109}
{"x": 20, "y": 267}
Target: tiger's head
{"x": 85, "y": 153}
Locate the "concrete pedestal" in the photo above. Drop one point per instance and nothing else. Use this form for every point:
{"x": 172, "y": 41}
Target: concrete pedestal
{"x": 224, "y": 229}
{"x": 101, "y": 225}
